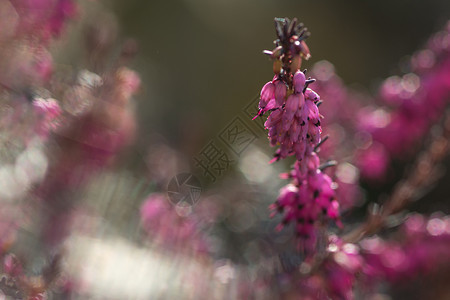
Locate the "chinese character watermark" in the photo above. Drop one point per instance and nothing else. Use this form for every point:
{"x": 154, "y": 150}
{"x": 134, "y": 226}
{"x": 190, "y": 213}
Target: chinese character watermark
{"x": 184, "y": 190}
{"x": 214, "y": 159}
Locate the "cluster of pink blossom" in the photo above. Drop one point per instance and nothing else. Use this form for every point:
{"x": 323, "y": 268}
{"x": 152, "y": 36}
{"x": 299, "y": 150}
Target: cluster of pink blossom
{"x": 294, "y": 122}
{"x": 365, "y": 145}
{"x": 294, "y": 125}
{"x": 421, "y": 250}
{"x": 310, "y": 195}
{"x": 65, "y": 130}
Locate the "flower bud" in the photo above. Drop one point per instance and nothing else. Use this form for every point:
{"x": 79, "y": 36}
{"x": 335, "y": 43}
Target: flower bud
{"x": 314, "y": 134}
{"x": 311, "y": 95}
{"x": 280, "y": 92}
{"x": 287, "y": 195}
{"x": 276, "y": 53}
{"x": 313, "y": 162}
{"x": 277, "y": 66}
{"x": 292, "y": 103}
{"x": 295, "y": 131}
{"x": 299, "y": 149}
{"x": 267, "y": 92}
{"x": 305, "y": 50}
{"x": 313, "y": 112}
{"x": 286, "y": 121}
{"x": 299, "y": 81}
{"x": 273, "y": 119}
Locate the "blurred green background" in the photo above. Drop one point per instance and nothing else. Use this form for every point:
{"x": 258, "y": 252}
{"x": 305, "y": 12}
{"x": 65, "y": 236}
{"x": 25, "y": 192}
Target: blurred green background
{"x": 201, "y": 60}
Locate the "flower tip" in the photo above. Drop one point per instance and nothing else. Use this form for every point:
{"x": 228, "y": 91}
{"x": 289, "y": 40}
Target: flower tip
{"x": 273, "y": 213}
{"x": 275, "y": 159}
{"x": 284, "y": 176}
{"x": 279, "y": 227}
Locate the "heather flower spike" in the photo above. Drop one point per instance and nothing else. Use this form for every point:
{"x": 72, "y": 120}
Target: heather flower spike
{"x": 294, "y": 125}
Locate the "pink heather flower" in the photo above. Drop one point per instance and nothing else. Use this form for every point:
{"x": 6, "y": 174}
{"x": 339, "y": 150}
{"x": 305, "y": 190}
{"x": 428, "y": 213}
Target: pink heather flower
{"x": 306, "y": 200}
{"x": 280, "y": 92}
{"x": 299, "y": 81}
{"x": 267, "y": 94}
{"x": 294, "y": 125}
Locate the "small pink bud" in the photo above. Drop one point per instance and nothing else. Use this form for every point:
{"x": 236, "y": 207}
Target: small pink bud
{"x": 302, "y": 112}
{"x": 295, "y": 131}
{"x": 292, "y": 103}
{"x": 280, "y": 92}
{"x": 300, "y": 148}
{"x": 286, "y": 120}
{"x": 277, "y": 66}
{"x": 301, "y": 101}
{"x": 313, "y": 161}
{"x": 276, "y": 53}
{"x": 305, "y": 50}
{"x": 271, "y": 105}
{"x": 314, "y": 134}
{"x": 313, "y": 112}
{"x": 273, "y": 119}
{"x": 287, "y": 195}
{"x": 333, "y": 210}
{"x": 299, "y": 81}
{"x": 267, "y": 93}
{"x": 311, "y": 95}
